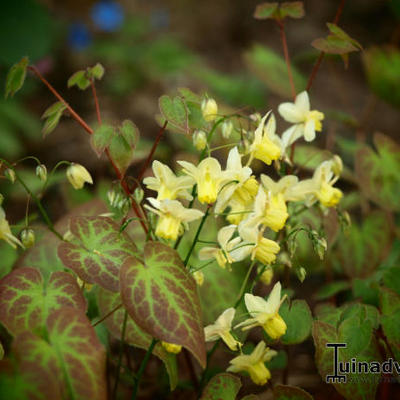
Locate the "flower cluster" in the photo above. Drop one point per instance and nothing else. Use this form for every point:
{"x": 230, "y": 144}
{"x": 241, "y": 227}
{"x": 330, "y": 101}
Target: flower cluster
{"x": 254, "y": 209}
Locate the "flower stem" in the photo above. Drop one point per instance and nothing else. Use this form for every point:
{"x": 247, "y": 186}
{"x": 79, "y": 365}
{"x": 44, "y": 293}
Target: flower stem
{"x": 142, "y": 368}
{"x": 244, "y": 284}
{"x": 96, "y": 101}
{"x": 121, "y": 349}
{"x": 107, "y": 315}
{"x": 197, "y": 235}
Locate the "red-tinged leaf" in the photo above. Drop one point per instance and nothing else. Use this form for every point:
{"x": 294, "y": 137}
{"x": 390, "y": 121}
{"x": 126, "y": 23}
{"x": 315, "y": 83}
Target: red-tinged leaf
{"x": 222, "y": 386}
{"x": 26, "y": 299}
{"x": 161, "y": 296}
{"x": 108, "y": 301}
{"x": 266, "y": 10}
{"x": 175, "y": 111}
{"x": 101, "y": 138}
{"x": 292, "y": 9}
{"x": 286, "y": 392}
{"x": 20, "y": 380}
{"x": 99, "y": 251}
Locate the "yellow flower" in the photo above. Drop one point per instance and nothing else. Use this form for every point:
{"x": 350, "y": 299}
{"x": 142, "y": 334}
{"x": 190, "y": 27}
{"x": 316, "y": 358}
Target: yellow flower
{"x": 167, "y": 184}
{"x": 320, "y": 186}
{"x": 221, "y": 254}
{"x": 266, "y": 145}
{"x": 171, "y": 347}
{"x": 254, "y": 363}
{"x": 222, "y": 329}
{"x": 5, "y": 231}
{"x": 209, "y": 109}
{"x": 208, "y": 176}
{"x": 77, "y": 175}
{"x": 171, "y": 215}
{"x": 305, "y": 122}
{"x": 266, "y": 276}
{"x": 264, "y": 313}
{"x": 198, "y": 276}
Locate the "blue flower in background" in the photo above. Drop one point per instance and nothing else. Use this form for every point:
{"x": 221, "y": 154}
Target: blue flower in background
{"x": 107, "y": 15}
{"x": 79, "y": 37}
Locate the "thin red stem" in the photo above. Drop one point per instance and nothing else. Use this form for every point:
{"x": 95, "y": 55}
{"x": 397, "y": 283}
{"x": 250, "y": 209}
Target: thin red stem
{"x": 96, "y": 101}
{"x": 322, "y": 54}
{"x": 286, "y": 54}
{"x": 89, "y": 130}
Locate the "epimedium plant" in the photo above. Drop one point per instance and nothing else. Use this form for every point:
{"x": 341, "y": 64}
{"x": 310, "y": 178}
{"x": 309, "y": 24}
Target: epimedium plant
{"x": 153, "y": 263}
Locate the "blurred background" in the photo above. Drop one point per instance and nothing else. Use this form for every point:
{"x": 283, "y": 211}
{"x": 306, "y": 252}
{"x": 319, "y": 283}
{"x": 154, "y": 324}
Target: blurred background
{"x": 152, "y": 47}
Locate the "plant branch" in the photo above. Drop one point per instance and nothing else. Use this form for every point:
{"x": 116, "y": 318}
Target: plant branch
{"x": 107, "y": 315}
{"x": 287, "y": 58}
{"x": 322, "y": 54}
{"x": 142, "y": 368}
{"x": 96, "y": 101}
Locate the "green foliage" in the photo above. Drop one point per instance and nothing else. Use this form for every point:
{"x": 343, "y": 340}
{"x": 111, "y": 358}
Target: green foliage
{"x": 331, "y": 289}
{"x": 16, "y": 77}
{"x": 222, "y": 386}
{"x": 98, "y": 250}
{"x": 271, "y": 69}
{"x": 174, "y": 110}
{"x": 52, "y": 116}
{"x": 337, "y": 42}
{"x": 161, "y": 297}
{"x": 378, "y": 172}
{"x": 279, "y": 11}
{"x": 286, "y": 392}
{"x": 382, "y": 67}
{"x": 298, "y": 319}
{"x": 102, "y": 137}
{"x": 83, "y": 78}
{"x": 27, "y": 299}
{"x": 134, "y": 335}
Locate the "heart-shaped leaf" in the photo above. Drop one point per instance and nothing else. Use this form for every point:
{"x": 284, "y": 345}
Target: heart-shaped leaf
{"x": 99, "y": 251}
{"x": 175, "y": 112}
{"x": 26, "y": 299}
{"x": 222, "y": 386}
{"x": 298, "y": 319}
{"x": 102, "y": 137}
{"x": 108, "y": 301}
{"x": 161, "y": 296}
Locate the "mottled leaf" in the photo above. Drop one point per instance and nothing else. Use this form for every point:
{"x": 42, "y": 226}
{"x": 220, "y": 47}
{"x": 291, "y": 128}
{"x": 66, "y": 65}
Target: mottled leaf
{"x": 161, "y": 296}
{"x": 175, "y": 112}
{"x": 222, "y": 386}
{"x": 26, "y": 299}
{"x": 298, "y": 319}
{"x": 16, "y": 77}
{"x": 286, "y": 392}
{"x": 102, "y": 137}
{"x": 108, "y": 301}
{"x": 99, "y": 250}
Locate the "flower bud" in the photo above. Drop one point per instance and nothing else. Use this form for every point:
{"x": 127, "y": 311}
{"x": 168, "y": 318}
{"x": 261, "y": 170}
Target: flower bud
{"x": 77, "y": 175}
{"x": 226, "y": 129}
{"x": 138, "y": 195}
{"x": 28, "y": 238}
{"x": 198, "y": 277}
{"x": 41, "y": 172}
{"x": 209, "y": 108}
{"x": 337, "y": 165}
{"x": 200, "y": 140}
{"x": 10, "y": 175}
{"x": 266, "y": 276}
{"x": 171, "y": 347}
{"x": 301, "y": 274}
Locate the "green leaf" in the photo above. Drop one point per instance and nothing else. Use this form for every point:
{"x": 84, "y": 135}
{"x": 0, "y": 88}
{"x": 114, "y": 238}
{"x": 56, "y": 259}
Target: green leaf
{"x": 331, "y": 289}
{"x": 328, "y": 313}
{"x": 102, "y": 137}
{"x": 382, "y": 67}
{"x": 53, "y": 115}
{"x": 16, "y": 77}
{"x": 271, "y": 69}
{"x": 79, "y": 79}
{"x": 161, "y": 296}
{"x": 266, "y": 10}
{"x": 391, "y": 278}
{"x": 360, "y": 250}
{"x": 298, "y": 319}
{"x": 72, "y": 352}
{"x": 26, "y": 299}
{"x": 292, "y": 9}
{"x": 222, "y": 386}
{"x": 286, "y": 392}
{"x": 96, "y": 72}
{"x": 175, "y": 112}
{"x": 107, "y": 301}
{"x": 378, "y": 172}
{"x": 123, "y": 144}
{"x": 99, "y": 250}
{"x": 390, "y": 307}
